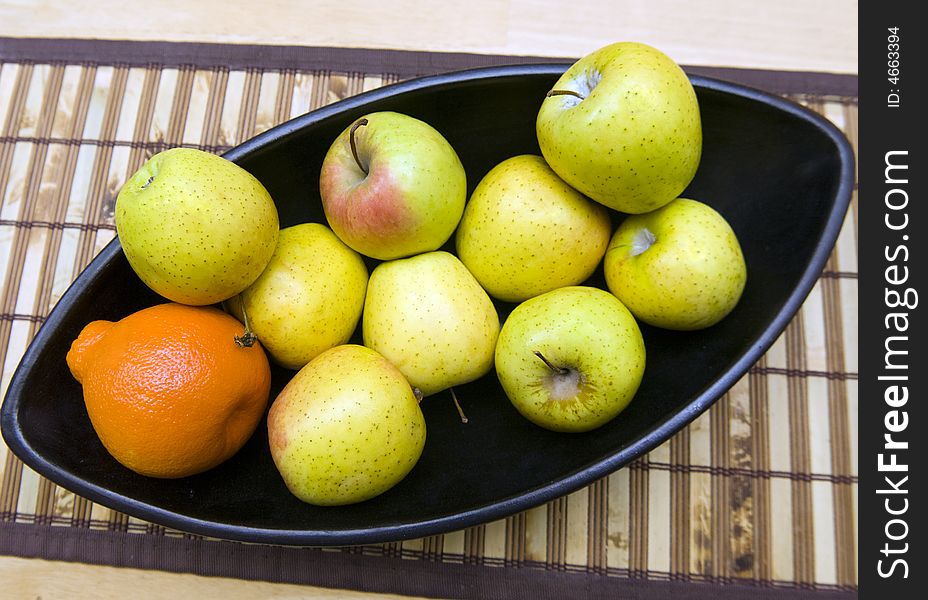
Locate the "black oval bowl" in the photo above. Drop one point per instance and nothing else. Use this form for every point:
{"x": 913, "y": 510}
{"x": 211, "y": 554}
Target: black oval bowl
{"x": 779, "y": 173}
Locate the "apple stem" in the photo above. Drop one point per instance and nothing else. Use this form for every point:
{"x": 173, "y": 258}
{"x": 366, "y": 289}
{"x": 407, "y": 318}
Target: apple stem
{"x": 457, "y": 405}
{"x": 564, "y": 93}
{"x": 247, "y": 339}
{"x": 148, "y": 183}
{"x": 354, "y": 148}
{"x": 558, "y": 370}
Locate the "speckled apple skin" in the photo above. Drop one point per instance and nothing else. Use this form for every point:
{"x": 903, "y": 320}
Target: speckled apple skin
{"x": 635, "y": 141}
{"x": 346, "y": 428}
{"x": 690, "y": 278}
{"x": 430, "y": 317}
{"x": 309, "y": 298}
{"x": 579, "y": 327}
{"x": 525, "y": 231}
{"x": 195, "y": 227}
{"x": 412, "y": 196}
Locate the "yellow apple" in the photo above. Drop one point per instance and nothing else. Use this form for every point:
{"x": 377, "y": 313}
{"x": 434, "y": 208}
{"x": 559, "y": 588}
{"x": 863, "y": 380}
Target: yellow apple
{"x": 428, "y": 315}
{"x": 392, "y": 186}
{"x": 525, "y": 231}
{"x": 308, "y": 299}
{"x": 346, "y": 428}
{"x": 678, "y": 267}
{"x": 195, "y": 227}
{"x": 622, "y": 125}
{"x": 570, "y": 359}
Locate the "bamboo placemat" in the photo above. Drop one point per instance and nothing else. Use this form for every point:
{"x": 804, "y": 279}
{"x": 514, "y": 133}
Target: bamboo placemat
{"x": 759, "y": 491}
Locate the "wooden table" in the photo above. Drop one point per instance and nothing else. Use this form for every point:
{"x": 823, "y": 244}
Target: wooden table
{"x": 786, "y": 34}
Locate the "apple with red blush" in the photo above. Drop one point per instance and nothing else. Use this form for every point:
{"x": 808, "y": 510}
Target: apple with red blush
{"x": 392, "y": 186}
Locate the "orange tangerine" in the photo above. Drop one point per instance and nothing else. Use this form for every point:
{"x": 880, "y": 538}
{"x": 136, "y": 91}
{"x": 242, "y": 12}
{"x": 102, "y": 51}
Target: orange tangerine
{"x": 170, "y": 390}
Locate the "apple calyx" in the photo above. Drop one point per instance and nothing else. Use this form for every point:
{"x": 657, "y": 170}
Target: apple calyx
{"x": 641, "y": 241}
{"x": 354, "y": 147}
{"x": 564, "y": 383}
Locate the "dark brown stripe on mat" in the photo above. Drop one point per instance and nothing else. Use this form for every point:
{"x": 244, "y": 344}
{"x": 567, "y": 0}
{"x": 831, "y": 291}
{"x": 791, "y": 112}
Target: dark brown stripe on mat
{"x": 800, "y": 459}
{"x": 180, "y": 106}
{"x": 720, "y": 533}
{"x": 148, "y": 147}
{"x": 10, "y": 286}
{"x": 283, "y": 101}
{"x": 320, "y": 91}
{"x": 218, "y": 80}
{"x": 30, "y": 205}
{"x": 797, "y": 373}
{"x": 98, "y": 187}
{"x": 21, "y": 317}
{"x": 760, "y": 437}
{"x": 64, "y": 161}
{"x": 403, "y": 63}
{"x": 597, "y": 525}
{"x": 432, "y": 547}
{"x": 473, "y": 544}
{"x": 53, "y": 225}
{"x": 557, "y": 534}
{"x": 841, "y": 461}
{"x": 515, "y": 535}
{"x": 359, "y": 571}
{"x": 851, "y": 131}
{"x": 11, "y": 124}
{"x": 638, "y": 518}
{"x": 741, "y": 486}
{"x": 249, "y": 110}
{"x": 721, "y": 471}
{"x": 680, "y": 506}
{"x": 845, "y": 541}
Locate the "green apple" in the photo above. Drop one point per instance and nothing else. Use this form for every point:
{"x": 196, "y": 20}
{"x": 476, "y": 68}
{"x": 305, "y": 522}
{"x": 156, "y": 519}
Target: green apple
{"x": 392, "y": 186}
{"x": 679, "y": 267}
{"x": 195, "y": 227}
{"x": 309, "y": 297}
{"x": 346, "y": 428}
{"x": 525, "y": 231}
{"x": 622, "y": 125}
{"x": 570, "y": 359}
{"x": 428, "y": 316}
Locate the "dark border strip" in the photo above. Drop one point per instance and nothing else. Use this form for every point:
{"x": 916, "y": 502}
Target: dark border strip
{"x": 362, "y": 572}
{"x": 105, "y": 527}
{"x": 404, "y": 63}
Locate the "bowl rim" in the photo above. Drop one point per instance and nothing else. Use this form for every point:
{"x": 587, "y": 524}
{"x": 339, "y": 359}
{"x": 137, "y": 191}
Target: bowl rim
{"x": 16, "y": 440}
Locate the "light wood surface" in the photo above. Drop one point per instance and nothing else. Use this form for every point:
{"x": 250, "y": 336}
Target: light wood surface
{"x": 820, "y": 35}
{"x": 784, "y": 34}
{"x": 49, "y": 580}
